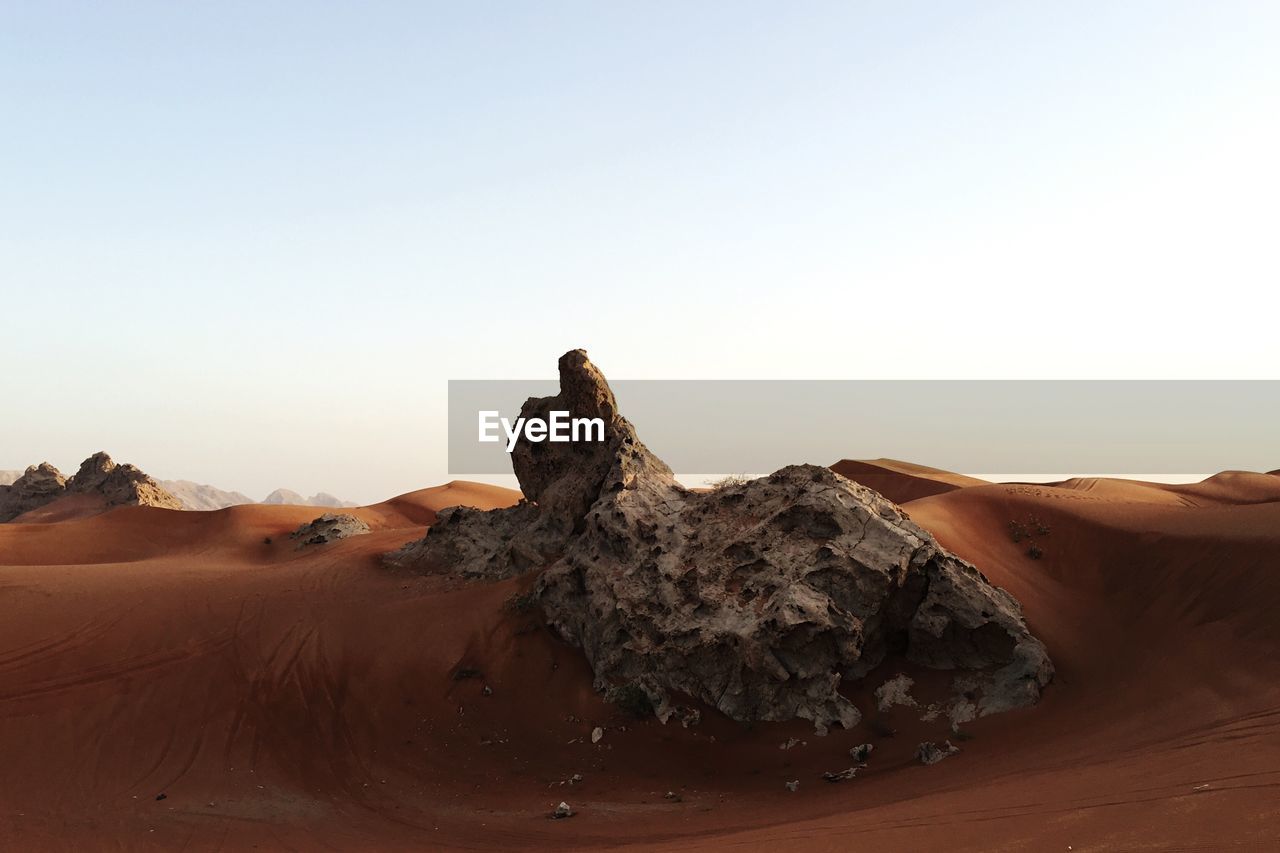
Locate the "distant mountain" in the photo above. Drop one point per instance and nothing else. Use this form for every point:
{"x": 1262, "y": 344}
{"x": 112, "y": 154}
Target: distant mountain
{"x": 285, "y": 496}
{"x": 200, "y": 496}
{"x": 288, "y": 496}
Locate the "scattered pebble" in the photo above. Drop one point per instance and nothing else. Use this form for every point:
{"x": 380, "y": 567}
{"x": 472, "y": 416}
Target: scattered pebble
{"x": 793, "y": 785}
{"x": 562, "y": 811}
{"x": 842, "y": 775}
{"x": 861, "y": 752}
{"x": 673, "y": 797}
{"x": 161, "y": 796}
{"x": 597, "y": 734}
{"x": 930, "y": 753}
{"x": 790, "y": 742}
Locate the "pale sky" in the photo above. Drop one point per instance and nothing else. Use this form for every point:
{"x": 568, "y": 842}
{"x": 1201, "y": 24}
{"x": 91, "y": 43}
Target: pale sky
{"x": 247, "y": 243}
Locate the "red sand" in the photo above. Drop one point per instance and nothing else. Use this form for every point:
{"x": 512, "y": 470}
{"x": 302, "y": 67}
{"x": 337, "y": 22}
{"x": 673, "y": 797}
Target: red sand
{"x": 901, "y": 482}
{"x": 306, "y": 700}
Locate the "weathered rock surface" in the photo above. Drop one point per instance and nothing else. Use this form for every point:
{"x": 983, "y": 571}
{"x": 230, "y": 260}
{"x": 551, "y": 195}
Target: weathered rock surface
{"x": 329, "y": 527}
{"x": 117, "y": 485}
{"x": 39, "y": 485}
{"x": 759, "y": 598}
{"x": 121, "y": 485}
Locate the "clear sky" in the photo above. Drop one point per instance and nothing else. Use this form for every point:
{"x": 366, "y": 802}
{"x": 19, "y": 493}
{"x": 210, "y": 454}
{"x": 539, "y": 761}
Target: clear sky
{"x": 246, "y": 243}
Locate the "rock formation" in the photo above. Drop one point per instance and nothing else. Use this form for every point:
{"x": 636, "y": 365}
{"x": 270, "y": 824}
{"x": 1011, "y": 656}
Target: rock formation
{"x": 329, "y": 527}
{"x": 120, "y": 485}
{"x": 760, "y": 598}
{"x": 39, "y": 485}
{"x": 116, "y": 485}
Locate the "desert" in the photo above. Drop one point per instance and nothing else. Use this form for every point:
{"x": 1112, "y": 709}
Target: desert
{"x": 630, "y": 426}
{"x": 201, "y": 680}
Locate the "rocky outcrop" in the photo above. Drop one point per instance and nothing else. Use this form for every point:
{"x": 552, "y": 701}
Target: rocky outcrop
{"x": 760, "y": 598}
{"x": 99, "y": 476}
{"x": 39, "y": 485}
{"x": 329, "y": 527}
{"x": 119, "y": 485}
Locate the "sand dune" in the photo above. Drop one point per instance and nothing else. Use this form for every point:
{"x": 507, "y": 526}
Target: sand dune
{"x": 1229, "y": 487}
{"x": 310, "y": 699}
{"x": 900, "y": 481}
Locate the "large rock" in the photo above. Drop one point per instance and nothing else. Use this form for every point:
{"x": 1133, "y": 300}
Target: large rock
{"x": 116, "y": 485}
{"x": 327, "y": 528}
{"x": 119, "y": 485}
{"x": 39, "y": 485}
{"x": 759, "y": 599}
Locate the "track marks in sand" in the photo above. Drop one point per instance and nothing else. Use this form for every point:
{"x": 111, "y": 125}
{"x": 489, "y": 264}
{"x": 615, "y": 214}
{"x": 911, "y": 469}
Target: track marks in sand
{"x": 116, "y": 670}
{"x": 84, "y": 636}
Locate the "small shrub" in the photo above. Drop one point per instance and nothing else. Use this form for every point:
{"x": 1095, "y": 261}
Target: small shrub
{"x": 728, "y": 482}
{"x": 1029, "y": 530}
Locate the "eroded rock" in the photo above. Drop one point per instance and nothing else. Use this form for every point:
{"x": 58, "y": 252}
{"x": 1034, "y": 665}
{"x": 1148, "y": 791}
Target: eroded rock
{"x": 760, "y": 598}
{"x": 329, "y": 527}
{"x": 39, "y": 485}
{"x": 116, "y": 485}
{"x": 120, "y": 485}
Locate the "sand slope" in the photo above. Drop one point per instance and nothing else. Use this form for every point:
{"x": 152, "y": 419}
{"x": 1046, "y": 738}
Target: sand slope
{"x": 313, "y": 700}
{"x": 900, "y": 481}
